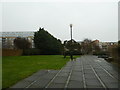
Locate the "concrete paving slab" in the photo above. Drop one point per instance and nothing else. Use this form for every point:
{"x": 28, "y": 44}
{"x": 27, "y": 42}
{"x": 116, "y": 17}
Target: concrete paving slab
{"x": 76, "y": 78}
{"x": 32, "y": 78}
{"x": 63, "y": 74}
{"x": 76, "y": 68}
{"x": 41, "y": 72}
{"x": 90, "y": 75}
{"x": 101, "y": 73}
{"x": 60, "y": 79}
{"x": 78, "y": 73}
{"x": 86, "y": 66}
{"x": 87, "y": 71}
{"x": 93, "y": 82}
{"x": 40, "y": 83}
{"x": 27, "y": 81}
{"x": 94, "y": 86}
{"x": 75, "y": 84}
{"x": 22, "y": 84}
{"x": 65, "y": 71}
{"x": 53, "y": 71}
{"x": 57, "y": 85}
{"x": 108, "y": 79}
{"x": 48, "y": 76}
{"x": 66, "y": 68}
{"x": 112, "y": 85}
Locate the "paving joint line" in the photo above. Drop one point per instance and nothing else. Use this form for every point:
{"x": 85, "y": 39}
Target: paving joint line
{"x": 33, "y": 82}
{"x": 83, "y": 75}
{"x": 54, "y": 78}
{"x": 98, "y": 78}
{"x": 108, "y": 72}
{"x": 68, "y": 79}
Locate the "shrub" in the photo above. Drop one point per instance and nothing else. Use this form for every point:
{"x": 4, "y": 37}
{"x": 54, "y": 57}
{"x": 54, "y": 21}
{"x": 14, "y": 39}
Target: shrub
{"x": 31, "y": 51}
{"x": 47, "y": 43}
{"x": 101, "y": 53}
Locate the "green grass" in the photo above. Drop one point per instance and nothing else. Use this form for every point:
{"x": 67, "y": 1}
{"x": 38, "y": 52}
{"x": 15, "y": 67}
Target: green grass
{"x": 15, "y": 68}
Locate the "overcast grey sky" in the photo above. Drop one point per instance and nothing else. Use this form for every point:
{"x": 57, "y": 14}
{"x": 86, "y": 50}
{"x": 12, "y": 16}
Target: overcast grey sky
{"x": 95, "y": 20}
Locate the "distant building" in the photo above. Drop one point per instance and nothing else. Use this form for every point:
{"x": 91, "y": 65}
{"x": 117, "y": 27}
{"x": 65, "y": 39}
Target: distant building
{"x": 7, "y": 38}
{"x": 102, "y": 45}
{"x": 105, "y": 45}
{"x": 96, "y": 42}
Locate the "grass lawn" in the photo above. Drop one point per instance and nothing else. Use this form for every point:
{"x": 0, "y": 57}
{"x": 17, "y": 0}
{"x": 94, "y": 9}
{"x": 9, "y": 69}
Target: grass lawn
{"x": 15, "y": 68}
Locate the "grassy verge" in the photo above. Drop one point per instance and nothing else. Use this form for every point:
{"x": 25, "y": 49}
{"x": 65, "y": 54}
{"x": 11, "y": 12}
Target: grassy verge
{"x": 15, "y": 68}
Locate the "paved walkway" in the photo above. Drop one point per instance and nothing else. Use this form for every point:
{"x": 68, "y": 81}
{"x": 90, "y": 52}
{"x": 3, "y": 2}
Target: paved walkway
{"x": 85, "y": 72}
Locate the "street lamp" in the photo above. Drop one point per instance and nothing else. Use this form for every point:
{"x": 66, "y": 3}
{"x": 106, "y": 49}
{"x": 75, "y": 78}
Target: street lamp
{"x": 71, "y": 31}
{"x": 71, "y": 55}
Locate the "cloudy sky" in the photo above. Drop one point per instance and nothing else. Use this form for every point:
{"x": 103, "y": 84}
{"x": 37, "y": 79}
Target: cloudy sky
{"x": 93, "y": 20}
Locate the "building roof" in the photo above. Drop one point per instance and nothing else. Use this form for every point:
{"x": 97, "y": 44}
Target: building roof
{"x": 16, "y": 34}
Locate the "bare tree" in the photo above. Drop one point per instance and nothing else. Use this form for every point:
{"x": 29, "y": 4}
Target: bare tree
{"x": 21, "y": 43}
{"x": 86, "y": 46}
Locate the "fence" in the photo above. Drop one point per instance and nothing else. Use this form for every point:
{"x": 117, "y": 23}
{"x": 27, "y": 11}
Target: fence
{"x": 11, "y": 52}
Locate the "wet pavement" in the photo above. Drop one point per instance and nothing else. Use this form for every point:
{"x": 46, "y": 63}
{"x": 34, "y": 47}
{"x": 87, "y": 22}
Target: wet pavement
{"x": 85, "y": 72}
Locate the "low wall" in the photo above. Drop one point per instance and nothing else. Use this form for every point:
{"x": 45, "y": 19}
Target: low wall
{"x": 11, "y": 52}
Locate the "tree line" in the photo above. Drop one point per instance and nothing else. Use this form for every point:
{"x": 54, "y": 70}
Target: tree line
{"x": 47, "y": 44}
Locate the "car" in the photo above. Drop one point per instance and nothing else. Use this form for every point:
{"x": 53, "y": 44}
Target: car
{"x": 103, "y": 56}
{"x": 99, "y": 56}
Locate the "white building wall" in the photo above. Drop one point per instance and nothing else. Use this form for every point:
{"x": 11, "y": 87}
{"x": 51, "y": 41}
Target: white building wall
{"x": 8, "y": 38}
